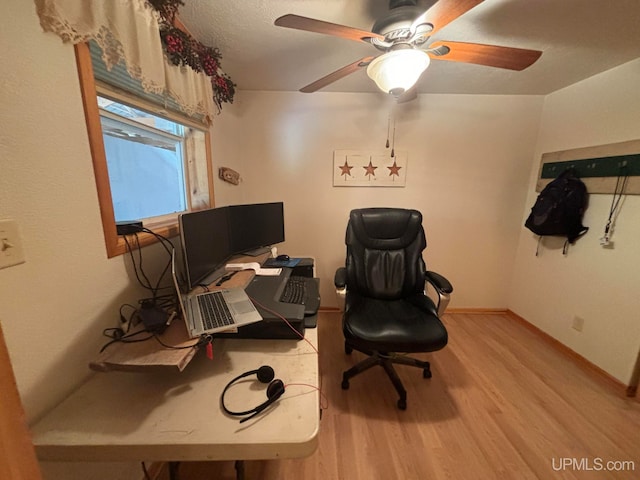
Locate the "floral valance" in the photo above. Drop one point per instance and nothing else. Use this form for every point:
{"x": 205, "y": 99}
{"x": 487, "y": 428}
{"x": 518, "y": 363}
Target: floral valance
{"x": 135, "y": 32}
{"x": 182, "y": 49}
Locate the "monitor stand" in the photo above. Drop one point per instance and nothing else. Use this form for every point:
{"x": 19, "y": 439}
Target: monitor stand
{"x": 257, "y": 252}
{"x": 214, "y": 276}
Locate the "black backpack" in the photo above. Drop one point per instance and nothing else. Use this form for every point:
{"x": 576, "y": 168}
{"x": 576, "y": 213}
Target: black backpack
{"x": 559, "y": 208}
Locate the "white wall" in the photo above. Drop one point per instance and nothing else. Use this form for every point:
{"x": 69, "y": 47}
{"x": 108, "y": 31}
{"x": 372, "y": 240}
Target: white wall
{"x": 599, "y": 285}
{"x": 468, "y": 168}
{"x": 54, "y": 307}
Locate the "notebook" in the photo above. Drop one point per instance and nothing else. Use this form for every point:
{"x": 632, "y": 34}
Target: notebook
{"x": 211, "y": 312}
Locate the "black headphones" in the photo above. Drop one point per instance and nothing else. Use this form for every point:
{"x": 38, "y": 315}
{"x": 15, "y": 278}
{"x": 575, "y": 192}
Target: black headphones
{"x": 274, "y": 391}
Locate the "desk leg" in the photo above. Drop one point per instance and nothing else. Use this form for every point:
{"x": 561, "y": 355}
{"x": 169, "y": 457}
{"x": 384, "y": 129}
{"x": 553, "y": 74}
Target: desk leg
{"x": 173, "y": 470}
{"x": 239, "y": 469}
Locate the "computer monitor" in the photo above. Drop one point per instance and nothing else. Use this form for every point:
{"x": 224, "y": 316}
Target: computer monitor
{"x": 205, "y": 243}
{"x": 254, "y": 227}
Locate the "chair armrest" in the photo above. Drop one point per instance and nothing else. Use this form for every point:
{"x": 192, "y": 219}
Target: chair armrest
{"x": 340, "y": 279}
{"x": 439, "y": 282}
{"x": 442, "y": 287}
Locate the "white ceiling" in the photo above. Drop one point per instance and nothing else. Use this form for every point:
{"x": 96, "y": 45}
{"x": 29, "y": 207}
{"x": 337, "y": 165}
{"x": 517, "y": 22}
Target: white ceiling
{"x": 579, "y": 38}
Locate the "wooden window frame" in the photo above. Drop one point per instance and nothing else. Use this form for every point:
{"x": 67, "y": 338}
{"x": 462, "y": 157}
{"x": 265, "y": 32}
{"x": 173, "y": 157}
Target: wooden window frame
{"x": 167, "y": 225}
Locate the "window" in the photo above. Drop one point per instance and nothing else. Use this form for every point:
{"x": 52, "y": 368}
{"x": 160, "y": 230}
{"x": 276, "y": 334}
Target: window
{"x": 138, "y": 146}
{"x": 150, "y": 164}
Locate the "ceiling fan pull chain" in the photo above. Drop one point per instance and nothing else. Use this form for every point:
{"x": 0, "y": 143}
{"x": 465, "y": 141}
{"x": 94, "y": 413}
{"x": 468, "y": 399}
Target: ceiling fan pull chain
{"x": 393, "y": 138}
{"x": 388, "y": 130}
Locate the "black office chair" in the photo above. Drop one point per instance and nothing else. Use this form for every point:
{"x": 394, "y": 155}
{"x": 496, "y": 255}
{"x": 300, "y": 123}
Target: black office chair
{"x": 387, "y": 312}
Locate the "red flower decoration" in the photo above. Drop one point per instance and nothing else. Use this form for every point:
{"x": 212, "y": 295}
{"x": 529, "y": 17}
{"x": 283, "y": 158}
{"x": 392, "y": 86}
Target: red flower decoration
{"x": 173, "y": 44}
{"x": 182, "y": 49}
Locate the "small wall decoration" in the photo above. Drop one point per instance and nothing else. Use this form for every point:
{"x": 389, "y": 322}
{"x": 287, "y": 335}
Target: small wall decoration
{"x": 229, "y": 175}
{"x": 356, "y": 168}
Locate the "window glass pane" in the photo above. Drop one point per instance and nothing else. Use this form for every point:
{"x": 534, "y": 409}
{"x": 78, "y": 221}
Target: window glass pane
{"x": 146, "y": 167}
{"x": 139, "y": 116}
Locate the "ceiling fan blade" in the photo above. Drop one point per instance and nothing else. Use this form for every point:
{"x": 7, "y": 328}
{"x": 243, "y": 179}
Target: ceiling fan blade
{"x": 489, "y": 55}
{"x": 444, "y": 12}
{"x": 319, "y": 26}
{"x": 337, "y": 75}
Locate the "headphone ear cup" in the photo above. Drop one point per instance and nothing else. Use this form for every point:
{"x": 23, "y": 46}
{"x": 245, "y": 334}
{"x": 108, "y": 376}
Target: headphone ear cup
{"x": 265, "y": 374}
{"x": 275, "y": 389}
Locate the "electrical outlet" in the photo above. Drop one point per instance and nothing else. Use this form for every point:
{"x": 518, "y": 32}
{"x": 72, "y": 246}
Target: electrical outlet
{"x": 11, "y": 252}
{"x": 578, "y": 323}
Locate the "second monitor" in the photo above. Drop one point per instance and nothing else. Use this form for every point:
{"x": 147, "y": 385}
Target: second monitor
{"x": 254, "y": 228}
{"x": 210, "y": 237}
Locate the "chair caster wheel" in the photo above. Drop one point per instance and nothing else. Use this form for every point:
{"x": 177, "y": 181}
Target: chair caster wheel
{"x": 347, "y": 349}
{"x": 402, "y": 404}
{"x": 345, "y": 384}
{"x": 426, "y": 373}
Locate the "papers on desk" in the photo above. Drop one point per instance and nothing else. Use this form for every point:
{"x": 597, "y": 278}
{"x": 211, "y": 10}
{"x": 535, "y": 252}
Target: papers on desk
{"x": 253, "y": 266}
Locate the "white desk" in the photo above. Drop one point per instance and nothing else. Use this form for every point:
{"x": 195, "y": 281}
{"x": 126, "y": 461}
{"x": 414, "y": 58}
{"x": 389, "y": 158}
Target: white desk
{"x": 176, "y": 416}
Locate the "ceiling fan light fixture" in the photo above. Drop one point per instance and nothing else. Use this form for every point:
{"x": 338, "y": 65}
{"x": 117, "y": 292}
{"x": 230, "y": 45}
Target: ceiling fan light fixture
{"x": 397, "y": 71}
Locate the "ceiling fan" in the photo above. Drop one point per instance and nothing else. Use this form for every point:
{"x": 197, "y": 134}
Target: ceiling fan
{"x": 402, "y": 35}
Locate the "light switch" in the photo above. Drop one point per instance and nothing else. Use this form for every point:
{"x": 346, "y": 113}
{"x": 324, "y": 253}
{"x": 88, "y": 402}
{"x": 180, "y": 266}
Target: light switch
{"x": 11, "y": 251}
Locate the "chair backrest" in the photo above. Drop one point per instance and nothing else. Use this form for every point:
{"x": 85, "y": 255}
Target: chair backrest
{"x": 384, "y": 252}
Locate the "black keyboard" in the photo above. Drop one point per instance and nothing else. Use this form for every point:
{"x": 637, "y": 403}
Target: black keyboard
{"x": 295, "y": 290}
{"x": 214, "y": 310}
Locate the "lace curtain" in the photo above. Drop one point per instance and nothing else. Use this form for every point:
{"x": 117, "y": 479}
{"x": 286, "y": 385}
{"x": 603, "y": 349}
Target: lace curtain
{"x": 128, "y": 30}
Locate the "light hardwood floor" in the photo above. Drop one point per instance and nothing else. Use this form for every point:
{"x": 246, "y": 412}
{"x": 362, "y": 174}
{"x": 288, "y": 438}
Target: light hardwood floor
{"x": 502, "y": 404}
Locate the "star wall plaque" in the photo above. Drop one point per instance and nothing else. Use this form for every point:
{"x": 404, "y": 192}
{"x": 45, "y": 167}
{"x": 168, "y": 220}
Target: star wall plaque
{"x": 357, "y": 168}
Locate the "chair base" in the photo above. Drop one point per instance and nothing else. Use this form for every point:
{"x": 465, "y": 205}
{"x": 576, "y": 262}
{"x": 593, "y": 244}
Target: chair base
{"x": 386, "y": 361}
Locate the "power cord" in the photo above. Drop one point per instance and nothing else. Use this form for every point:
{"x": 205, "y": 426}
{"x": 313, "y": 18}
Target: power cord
{"x": 315, "y": 349}
{"x": 285, "y": 321}
{"x": 203, "y": 340}
{"x": 146, "y": 283}
{"x": 118, "y": 335}
{"x": 123, "y": 338}
{"x": 153, "y": 311}
{"x": 169, "y": 248}
{"x": 145, "y": 471}
{"x": 618, "y": 192}
{"x": 141, "y": 276}
{"x": 127, "y": 321}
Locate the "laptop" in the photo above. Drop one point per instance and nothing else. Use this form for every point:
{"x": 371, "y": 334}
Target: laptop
{"x": 211, "y": 312}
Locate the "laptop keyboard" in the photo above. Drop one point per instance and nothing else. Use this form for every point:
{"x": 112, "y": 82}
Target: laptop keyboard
{"x": 214, "y": 310}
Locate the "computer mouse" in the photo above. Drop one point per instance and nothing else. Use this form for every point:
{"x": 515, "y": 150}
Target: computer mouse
{"x": 283, "y": 258}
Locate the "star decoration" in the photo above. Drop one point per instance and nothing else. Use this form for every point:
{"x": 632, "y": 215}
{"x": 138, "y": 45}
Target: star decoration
{"x": 394, "y": 169}
{"x": 370, "y": 170}
{"x": 346, "y": 169}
